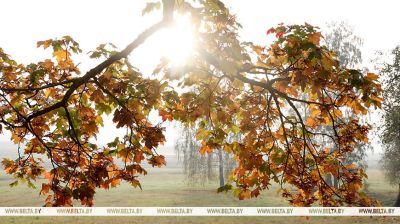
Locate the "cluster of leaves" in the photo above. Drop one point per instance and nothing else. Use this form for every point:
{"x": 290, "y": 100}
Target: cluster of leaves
{"x": 227, "y": 87}
{"x": 261, "y": 99}
{"x": 50, "y": 114}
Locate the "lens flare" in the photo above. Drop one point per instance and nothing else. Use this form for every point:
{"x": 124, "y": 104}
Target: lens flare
{"x": 176, "y": 42}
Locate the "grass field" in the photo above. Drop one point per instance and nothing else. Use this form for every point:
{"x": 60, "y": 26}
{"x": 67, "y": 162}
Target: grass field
{"x": 167, "y": 187}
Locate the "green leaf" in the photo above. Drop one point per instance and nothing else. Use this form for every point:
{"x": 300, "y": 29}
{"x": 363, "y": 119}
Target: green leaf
{"x": 202, "y": 134}
{"x": 103, "y": 108}
{"x": 224, "y": 188}
{"x": 235, "y": 129}
{"x": 14, "y": 184}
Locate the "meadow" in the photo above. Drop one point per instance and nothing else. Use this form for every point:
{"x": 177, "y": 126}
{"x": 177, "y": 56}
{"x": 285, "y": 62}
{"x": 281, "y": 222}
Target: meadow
{"x": 167, "y": 187}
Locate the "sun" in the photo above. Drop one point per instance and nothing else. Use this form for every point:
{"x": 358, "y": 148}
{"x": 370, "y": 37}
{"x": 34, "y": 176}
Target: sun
{"x": 176, "y": 42}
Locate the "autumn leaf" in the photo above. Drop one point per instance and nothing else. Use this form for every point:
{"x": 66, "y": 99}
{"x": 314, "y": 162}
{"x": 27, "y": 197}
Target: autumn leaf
{"x": 315, "y": 112}
{"x": 115, "y": 182}
{"x": 165, "y": 115}
{"x": 138, "y": 157}
{"x": 97, "y": 96}
{"x": 245, "y": 195}
{"x": 45, "y": 189}
{"x": 271, "y": 30}
{"x": 49, "y": 92}
{"x": 311, "y": 122}
{"x": 205, "y": 149}
{"x": 315, "y": 38}
{"x": 45, "y": 43}
{"x": 371, "y": 77}
{"x": 61, "y": 55}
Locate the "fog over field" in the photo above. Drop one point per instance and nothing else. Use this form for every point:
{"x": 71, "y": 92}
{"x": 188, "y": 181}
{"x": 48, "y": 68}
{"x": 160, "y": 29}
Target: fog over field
{"x": 9, "y": 150}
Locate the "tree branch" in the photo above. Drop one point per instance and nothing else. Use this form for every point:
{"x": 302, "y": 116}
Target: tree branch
{"x": 99, "y": 68}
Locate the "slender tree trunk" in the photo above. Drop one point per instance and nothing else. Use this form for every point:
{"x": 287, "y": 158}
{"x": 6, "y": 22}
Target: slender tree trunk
{"x": 209, "y": 167}
{"x": 221, "y": 168}
{"x": 228, "y": 166}
{"x": 397, "y": 203}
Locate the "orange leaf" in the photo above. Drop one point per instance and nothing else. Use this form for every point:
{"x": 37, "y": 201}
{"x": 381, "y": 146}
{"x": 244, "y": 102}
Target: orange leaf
{"x": 115, "y": 182}
{"x": 49, "y": 175}
{"x": 371, "y": 77}
{"x": 311, "y": 122}
{"x": 315, "y": 38}
{"x": 205, "y": 148}
{"x": 165, "y": 115}
{"x": 45, "y": 189}
{"x": 160, "y": 160}
{"x": 138, "y": 157}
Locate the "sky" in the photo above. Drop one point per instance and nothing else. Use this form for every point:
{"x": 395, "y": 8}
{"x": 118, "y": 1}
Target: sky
{"x": 119, "y": 21}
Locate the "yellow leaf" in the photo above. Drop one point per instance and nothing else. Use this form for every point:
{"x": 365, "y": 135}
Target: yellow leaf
{"x": 49, "y": 92}
{"x": 47, "y": 43}
{"x": 61, "y": 55}
{"x": 328, "y": 120}
{"x": 99, "y": 120}
{"x": 202, "y": 134}
{"x": 315, "y": 112}
{"x": 337, "y": 113}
